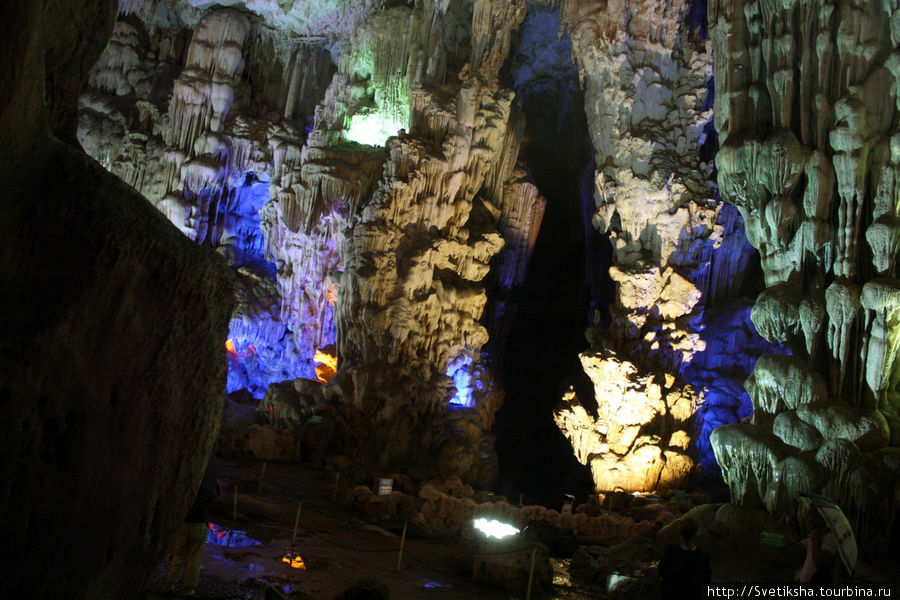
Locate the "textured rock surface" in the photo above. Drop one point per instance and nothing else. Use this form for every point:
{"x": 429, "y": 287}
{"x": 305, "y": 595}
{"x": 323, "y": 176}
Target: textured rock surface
{"x": 359, "y": 169}
{"x": 645, "y": 69}
{"x": 412, "y": 292}
{"x": 112, "y": 324}
{"x": 339, "y": 236}
{"x": 391, "y": 254}
{"x": 806, "y": 116}
{"x": 638, "y": 440}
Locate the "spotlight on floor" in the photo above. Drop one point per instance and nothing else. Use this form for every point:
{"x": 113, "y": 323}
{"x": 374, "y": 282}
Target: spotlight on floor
{"x": 494, "y": 528}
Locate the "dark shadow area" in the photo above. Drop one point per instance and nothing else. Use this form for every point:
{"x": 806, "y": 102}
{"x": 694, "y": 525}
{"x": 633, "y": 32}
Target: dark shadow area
{"x": 541, "y": 358}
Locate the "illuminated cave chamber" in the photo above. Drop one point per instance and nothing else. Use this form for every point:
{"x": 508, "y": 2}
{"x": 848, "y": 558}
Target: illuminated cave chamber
{"x": 358, "y": 169}
{"x": 543, "y": 207}
{"x": 368, "y": 171}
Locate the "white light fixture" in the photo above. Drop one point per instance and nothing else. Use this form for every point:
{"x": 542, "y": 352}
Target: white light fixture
{"x": 494, "y": 528}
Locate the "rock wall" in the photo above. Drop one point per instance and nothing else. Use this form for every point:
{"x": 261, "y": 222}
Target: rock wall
{"x": 169, "y": 109}
{"x": 645, "y": 68}
{"x": 110, "y": 330}
{"x": 806, "y": 107}
{"x": 342, "y": 239}
{"x": 413, "y": 290}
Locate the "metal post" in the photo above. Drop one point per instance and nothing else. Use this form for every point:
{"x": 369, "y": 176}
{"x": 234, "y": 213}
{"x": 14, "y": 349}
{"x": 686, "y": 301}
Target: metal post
{"x": 262, "y": 475}
{"x": 402, "y": 543}
{"x": 233, "y": 516}
{"x": 296, "y": 524}
{"x": 530, "y": 573}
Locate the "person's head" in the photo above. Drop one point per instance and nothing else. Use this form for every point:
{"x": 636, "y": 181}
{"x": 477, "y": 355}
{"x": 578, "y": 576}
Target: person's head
{"x": 688, "y": 529}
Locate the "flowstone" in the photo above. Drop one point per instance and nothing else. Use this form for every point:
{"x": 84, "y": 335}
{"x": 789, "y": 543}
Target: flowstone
{"x": 645, "y": 69}
{"x": 358, "y": 167}
{"x": 806, "y": 161}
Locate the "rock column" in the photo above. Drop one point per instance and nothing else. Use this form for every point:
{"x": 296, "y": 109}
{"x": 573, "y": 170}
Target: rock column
{"x": 806, "y": 109}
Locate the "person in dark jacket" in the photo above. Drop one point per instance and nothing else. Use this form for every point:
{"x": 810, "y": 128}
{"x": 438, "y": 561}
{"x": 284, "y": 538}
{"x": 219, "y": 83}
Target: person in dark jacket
{"x": 190, "y": 540}
{"x": 685, "y": 569}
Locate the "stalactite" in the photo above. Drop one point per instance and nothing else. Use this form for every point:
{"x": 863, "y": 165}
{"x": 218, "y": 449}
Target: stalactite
{"x": 520, "y": 221}
{"x": 812, "y": 317}
{"x": 882, "y": 298}
{"x": 782, "y": 382}
{"x": 204, "y": 92}
{"x": 884, "y": 239}
{"x": 749, "y": 457}
{"x": 776, "y": 313}
{"x": 831, "y": 124}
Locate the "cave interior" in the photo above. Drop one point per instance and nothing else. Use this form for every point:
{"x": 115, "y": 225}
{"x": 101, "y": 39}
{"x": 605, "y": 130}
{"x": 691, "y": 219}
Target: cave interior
{"x": 591, "y": 267}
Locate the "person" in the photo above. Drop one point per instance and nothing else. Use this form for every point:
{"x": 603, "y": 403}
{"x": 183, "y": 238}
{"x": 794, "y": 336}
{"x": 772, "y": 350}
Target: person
{"x": 685, "y": 569}
{"x": 190, "y": 540}
{"x": 821, "y": 550}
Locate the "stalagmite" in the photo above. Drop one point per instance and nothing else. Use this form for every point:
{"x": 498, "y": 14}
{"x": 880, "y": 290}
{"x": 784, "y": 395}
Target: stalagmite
{"x": 622, "y": 450}
{"x": 645, "y": 74}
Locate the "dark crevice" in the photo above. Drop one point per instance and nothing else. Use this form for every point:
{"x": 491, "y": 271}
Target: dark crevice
{"x": 541, "y": 357}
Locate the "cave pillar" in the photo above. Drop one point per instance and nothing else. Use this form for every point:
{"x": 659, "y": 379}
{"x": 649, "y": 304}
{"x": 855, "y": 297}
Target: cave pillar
{"x": 413, "y": 387}
{"x": 806, "y": 105}
{"x": 645, "y": 69}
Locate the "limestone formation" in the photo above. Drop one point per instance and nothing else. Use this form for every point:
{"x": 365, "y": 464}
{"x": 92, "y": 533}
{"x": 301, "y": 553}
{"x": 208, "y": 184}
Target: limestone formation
{"x": 358, "y": 167}
{"x": 805, "y": 107}
{"x": 645, "y": 70}
{"x": 361, "y": 200}
{"x": 637, "y": 441}
{"x": 412, "y": 289}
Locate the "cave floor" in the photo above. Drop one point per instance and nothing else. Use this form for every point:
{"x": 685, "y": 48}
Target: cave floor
{"x": 339, "y": 548}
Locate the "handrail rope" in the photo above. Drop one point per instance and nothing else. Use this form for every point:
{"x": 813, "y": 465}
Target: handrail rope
{"x": 579, "y": 591}
{"x": 268, "y": 500}
{"x": 195, "y": 597}
{"x": 257, "y": 523}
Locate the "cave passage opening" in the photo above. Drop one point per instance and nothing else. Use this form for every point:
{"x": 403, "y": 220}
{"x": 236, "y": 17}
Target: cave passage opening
{"x": 551, "y": 307}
